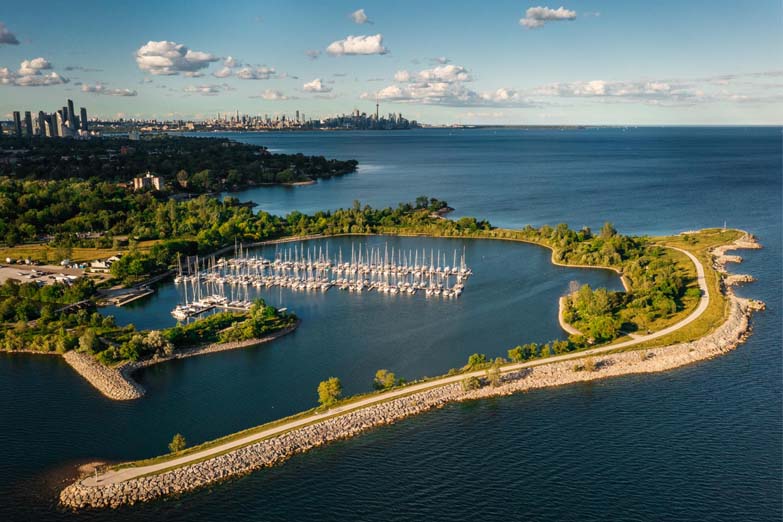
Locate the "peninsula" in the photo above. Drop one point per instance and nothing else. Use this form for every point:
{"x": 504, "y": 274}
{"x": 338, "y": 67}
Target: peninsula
{"x": 716, "y": 323}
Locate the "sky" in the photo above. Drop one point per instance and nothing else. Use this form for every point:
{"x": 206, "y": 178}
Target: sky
{"x": 440, "y": 62}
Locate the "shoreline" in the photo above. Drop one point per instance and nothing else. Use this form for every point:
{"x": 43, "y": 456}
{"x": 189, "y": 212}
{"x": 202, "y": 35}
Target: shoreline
{"x": 130, "y": 485}
{"x": 117, "y": 382}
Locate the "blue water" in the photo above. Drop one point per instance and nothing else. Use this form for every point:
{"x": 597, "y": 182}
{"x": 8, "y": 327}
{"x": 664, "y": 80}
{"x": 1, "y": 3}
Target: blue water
{"x": 699, "y": 443}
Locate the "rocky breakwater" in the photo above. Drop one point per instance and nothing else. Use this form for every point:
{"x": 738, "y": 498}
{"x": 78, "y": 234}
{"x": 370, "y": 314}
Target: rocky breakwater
{"x": 109, "y": 381}
{"x": 118, "y": 383}
{"x": 276, "y": 449}
{"x": 265, "y": 453}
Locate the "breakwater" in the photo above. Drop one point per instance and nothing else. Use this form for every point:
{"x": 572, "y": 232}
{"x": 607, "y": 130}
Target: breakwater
{"x": 118, "y": 383}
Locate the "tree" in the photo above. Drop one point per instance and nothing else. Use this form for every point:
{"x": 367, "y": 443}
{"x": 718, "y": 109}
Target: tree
{"x": 476, "y": 359}
{"x": 471, "y": 383}
{"x": 329, "y": 391}
{"x": 516, "y": 354}
{"x": 493, "y": 376}
{"x": 178, "y": 443}
{"x": 384, "y": 379}
{"x": 88, "y": 342}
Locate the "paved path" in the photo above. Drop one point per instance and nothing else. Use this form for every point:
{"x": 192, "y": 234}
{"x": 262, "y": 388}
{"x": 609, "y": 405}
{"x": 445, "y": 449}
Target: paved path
{"x": 122, "y": 475}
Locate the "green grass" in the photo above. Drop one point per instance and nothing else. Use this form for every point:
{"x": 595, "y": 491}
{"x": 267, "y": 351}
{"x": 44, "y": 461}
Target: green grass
{"x": 47, "y": 254}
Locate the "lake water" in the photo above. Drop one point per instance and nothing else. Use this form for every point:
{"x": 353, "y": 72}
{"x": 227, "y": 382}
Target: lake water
{"x": 699, "y": 443}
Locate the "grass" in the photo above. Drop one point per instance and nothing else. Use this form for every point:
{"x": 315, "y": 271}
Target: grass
{"x": 47, "y": 254}
{"x": 717, "y": 310}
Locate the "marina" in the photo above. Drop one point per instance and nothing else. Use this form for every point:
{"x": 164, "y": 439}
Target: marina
{"x": 224, "y": 283}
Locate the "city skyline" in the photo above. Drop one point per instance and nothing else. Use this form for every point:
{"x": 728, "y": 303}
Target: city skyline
{"x": 537, "y": 63}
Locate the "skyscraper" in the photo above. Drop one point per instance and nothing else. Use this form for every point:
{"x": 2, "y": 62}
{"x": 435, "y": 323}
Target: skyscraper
{"x": 28, "y": 124}
{"x": 57, "y": 124}
{"x": 71, "y": 115}
{"x": 42, "y": 124}
{"x": 84, "y": 119}
{"x": 17, "y": 124}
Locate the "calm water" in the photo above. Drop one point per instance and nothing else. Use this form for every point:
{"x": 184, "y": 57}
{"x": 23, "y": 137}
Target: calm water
{"x": 699, "y": 443}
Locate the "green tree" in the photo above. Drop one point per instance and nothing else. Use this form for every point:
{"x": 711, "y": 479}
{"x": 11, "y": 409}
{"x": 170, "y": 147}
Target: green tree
{"x": 476, "y": 359}
{"x": 470, "y": 383}
{"x": 88, "y": 342}
{"x": 384, "y": 379}
{"x": 329, "y": 391}
{"x": 178, "y": 443}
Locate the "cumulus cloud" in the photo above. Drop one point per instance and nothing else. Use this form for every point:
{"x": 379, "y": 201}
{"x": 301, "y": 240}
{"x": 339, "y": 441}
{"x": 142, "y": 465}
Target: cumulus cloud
{"x": 30, "y": 67}
{"x": 273, "y": 95}
{"x": 170, "y": 58}
{"x": 313, "y": 54}
{"x": 316, "y": 86}
{"x": 672, "y": 92}
{"x": 402, "y": 76}
{"x": 231, "y": 62}
{"x": 536, "y": 17}
{"x": 450, "y": 94}
{"x": 355, "y": 45}
{"x": 444, "y": 85}
{"x": 360, "y": 17}
{"x": 31, "y": 73}
{"x": 207, "y": 89}
{"x": 258, "y": 73}
{"x": 445, "y": 73}
{"x": 223, "y": 72}
{"x": 6, "y": 36}
{"x": 99, "y": 88}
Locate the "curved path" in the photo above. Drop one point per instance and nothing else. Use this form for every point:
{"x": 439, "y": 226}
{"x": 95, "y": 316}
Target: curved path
{"x": 122, "y": 475}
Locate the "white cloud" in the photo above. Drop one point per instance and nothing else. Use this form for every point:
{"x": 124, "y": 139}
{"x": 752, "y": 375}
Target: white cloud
{"x": 31, "y": 74}
{"x": 170, "y": 58}
{"x": 316, "y": 86}
{"x": 441, "y": 60}
{"x": 402, "y": 76}
{"x": 536, "y": 17}
{"x": 360, "y": 17}
{"x": 207, "y": 90}
{"x": 30, "y": 67}
{"x": 273, "y": 95}
{"x": 313, "y": 54}
{"x": 6, "y": 36}
{"x": 230, "y": 62}
{"x": 99, "y": 88}
{"x": 354, "y": 45}
{"x": 450, "y": 94}
{"x": 223, "y": 72}
{"x": 259, "y": 73}
{"x": 445, "y": 73}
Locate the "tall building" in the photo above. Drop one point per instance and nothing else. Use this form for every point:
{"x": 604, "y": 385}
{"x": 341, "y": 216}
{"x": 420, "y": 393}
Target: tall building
{"x": 17, "y": 124}
{"x": 42, "y": 124}
{"x": 28, "y": 124}
{"x": 57, "y": 123}
{"x": 71, "y": 115}
{"x": 84, "y": 119}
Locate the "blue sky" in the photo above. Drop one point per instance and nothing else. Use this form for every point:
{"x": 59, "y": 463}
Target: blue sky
{"x": 570, "y": 62}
